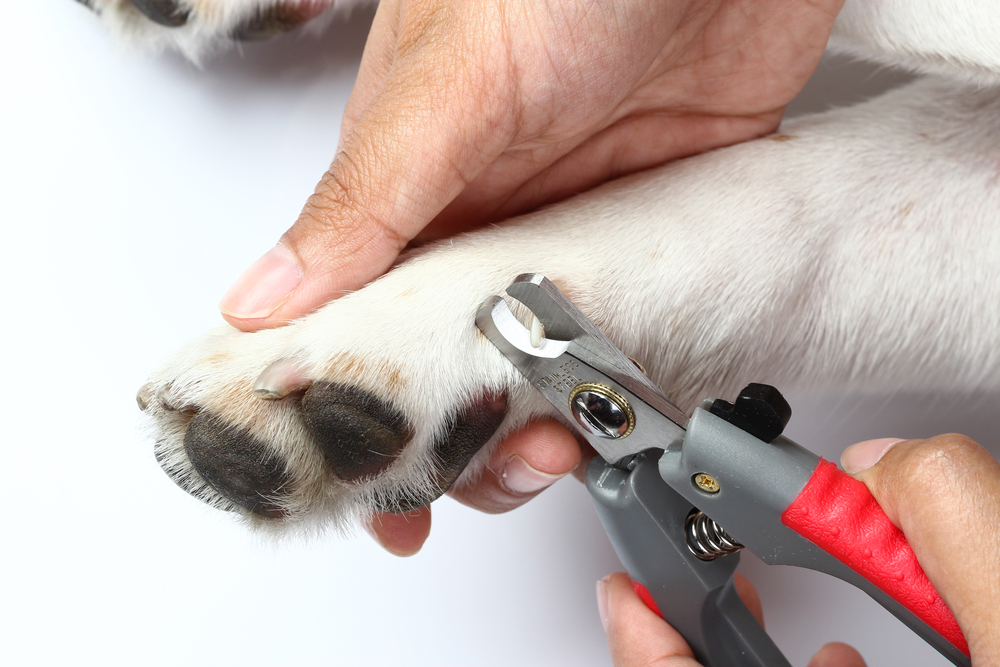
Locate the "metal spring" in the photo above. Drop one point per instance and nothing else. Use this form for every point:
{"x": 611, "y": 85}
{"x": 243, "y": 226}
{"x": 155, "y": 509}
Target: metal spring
{"x": 706, "y": 539}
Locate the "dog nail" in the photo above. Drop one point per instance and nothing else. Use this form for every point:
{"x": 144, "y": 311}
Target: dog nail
{"x": 280, "y": 379}
{"x": 360, "y": 434}
{"x": 237, "y": 465}
{"x": 144, "y": 396}
{"x": 164, "y": 12}
{"x": 521, "y": 479}
{"x": 164, "y": 399}
{"x": 537, "y": 331}
{"x": 264, "y": 286}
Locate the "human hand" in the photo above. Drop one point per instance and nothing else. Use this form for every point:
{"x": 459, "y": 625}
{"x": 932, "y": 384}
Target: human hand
{"x": 940, "y": 492}
{"x": 470, "y": 112}
{"x": 638, "y": 637}
{"x": 467, "y": 112}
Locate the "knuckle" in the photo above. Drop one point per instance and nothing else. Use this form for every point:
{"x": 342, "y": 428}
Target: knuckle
{"x": 941, "y": 462}
{"x": 343, "y": 209}
{"x": 335, "y": 203}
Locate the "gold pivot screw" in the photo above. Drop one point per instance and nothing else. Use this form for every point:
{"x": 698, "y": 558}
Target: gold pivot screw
{"x": 706, "y": 482}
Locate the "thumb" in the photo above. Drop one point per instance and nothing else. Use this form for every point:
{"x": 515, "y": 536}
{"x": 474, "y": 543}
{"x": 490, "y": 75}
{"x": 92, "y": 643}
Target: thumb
{"x": 944, "y": 494}
{"x": 637, "y": 637}
{"x": 411, "y": 151}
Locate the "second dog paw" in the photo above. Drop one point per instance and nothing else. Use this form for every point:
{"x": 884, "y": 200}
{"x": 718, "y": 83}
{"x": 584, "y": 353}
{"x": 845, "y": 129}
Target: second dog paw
{"x": 199, "y": 26}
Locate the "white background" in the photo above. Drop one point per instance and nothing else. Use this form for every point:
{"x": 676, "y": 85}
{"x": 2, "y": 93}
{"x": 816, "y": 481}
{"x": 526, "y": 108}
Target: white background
{"x": 133, "y": 191}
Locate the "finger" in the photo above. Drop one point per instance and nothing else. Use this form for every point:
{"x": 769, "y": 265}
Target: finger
{"x": 680, "y": 110}
{"x": 401, "y": 534}
{"x": 637, "y": 637}
{"x": 524, "y": 464}
{"x": 410, "y": 152}
{"x": 836, "y": 654}
{"x": 944, "y": 494}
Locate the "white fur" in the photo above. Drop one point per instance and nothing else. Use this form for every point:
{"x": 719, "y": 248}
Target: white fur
{"x": 208, "y": 28}
{"x": 956, "y": 39}
{"x": 859, "y": 247}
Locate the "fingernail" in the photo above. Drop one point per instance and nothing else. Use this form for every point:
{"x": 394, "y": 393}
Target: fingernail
{"x": 262, "y": 288}
{"x": 864, "y": 455}
{"x": 602, "y": 602}
{"x": 520, "y": 478}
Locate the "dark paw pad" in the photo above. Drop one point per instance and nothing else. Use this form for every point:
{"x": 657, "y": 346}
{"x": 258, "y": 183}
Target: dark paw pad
{"x": 359, "y": 434}
{"x": 237, "y": 465}
{"x": 164, "y": 12}
{"x": 473, "y": 428}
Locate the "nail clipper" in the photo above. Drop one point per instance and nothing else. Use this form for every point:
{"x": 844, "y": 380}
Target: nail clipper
{"x": 680, "y": 497}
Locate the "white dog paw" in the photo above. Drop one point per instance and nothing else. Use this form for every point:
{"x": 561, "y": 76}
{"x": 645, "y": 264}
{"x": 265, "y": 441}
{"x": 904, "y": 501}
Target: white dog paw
{"x": 377, "y": 402}
{"x": 197, "y": 26}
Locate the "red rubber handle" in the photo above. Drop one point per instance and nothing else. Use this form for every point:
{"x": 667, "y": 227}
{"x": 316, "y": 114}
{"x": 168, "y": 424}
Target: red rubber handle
{"x": 646, "y": 597}
{"x": 838, "y": 514}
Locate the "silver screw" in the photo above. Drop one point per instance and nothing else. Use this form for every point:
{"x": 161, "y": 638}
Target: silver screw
{"x": 602, "y": 411}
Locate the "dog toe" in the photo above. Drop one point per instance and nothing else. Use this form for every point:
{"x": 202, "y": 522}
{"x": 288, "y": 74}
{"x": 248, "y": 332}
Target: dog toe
{"x": 239, "y": 466}
{"x": 169, "y": 401}
{"x": 359, "y": 434}
{"x": 473, "y": 427}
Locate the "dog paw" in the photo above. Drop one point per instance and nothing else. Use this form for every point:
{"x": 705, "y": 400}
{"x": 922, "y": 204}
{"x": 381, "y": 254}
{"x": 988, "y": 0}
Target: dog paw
{"x": 376, "y": 402}
{"x": 381, "y": 400}
{"x": 197, "y": 26}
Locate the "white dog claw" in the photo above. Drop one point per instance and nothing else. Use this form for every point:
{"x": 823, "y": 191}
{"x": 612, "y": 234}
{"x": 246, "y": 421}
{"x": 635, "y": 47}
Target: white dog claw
{"x": 145, "y": 396}
{"x": 537, "y": 331}
{"x": 280, "y": 379}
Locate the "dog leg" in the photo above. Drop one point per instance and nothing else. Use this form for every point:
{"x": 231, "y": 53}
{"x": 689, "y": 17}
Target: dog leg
{"x": 859, "y": 247}
{"x": 956, "y": 39}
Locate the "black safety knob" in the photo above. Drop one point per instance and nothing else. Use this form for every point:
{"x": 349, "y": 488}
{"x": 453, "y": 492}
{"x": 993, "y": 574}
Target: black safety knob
{"x": 760, "y": 410}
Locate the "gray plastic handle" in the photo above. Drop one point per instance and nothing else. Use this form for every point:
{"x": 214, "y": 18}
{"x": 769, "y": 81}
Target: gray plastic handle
{"x": 644, "y": 511}
{"x": 645, "y": 520}
{"x": 758, "y": 482}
